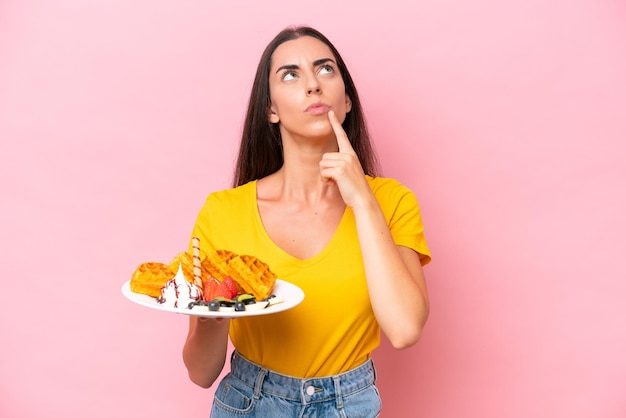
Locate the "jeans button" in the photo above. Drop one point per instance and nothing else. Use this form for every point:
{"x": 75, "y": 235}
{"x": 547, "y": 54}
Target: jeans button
{"x": 310, "y": 390}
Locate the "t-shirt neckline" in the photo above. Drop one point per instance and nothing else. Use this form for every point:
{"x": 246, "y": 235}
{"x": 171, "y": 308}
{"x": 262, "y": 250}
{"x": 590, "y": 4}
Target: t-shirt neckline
{"x": 307, "y": 261}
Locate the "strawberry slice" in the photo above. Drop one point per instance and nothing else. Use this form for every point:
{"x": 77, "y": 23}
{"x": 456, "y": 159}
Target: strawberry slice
{"x": 231, "y": 286}
{"x": 210, "y": 289}
{"x": 223, "y": 292}
{"x": 213, "y": 288}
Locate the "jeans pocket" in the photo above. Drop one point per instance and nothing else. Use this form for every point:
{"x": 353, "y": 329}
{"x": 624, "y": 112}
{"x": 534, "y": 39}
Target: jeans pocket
{"x": 365, "y": 403}
{"x": 232, "y": 396}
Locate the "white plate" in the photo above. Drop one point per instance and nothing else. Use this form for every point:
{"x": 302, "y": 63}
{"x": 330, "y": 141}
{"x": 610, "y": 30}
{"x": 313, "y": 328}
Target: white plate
{"x": 291, "y": 294}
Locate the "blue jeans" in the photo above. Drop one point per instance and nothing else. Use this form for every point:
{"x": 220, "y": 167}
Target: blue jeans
{"x": 250, "y": 390}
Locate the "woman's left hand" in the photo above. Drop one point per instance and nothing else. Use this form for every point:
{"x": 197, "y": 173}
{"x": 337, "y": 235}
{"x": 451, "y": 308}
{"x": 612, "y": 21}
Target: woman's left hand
{"x": 344, "y": 168}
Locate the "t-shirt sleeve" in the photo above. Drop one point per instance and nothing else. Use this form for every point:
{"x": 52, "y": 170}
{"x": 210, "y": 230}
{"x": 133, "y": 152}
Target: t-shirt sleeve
{"x": 202, "y": 229}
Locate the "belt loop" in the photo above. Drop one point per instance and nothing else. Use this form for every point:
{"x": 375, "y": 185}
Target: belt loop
{"x": 338, "y": 394}
{"x": 258, "y": 383}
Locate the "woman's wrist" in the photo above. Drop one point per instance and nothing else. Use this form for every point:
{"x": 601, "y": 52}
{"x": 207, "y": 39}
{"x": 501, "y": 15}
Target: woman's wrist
{"x": 210, "y": 326}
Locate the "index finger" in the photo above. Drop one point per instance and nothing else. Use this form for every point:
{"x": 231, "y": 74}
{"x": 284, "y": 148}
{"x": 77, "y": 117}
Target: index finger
{"x": 342, "y": 139}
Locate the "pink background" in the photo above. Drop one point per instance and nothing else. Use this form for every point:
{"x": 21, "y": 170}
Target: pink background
{"x": 507, "y": 118}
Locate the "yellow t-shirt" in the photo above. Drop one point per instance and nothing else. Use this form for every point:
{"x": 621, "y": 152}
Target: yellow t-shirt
{"x": 334, "y": 328}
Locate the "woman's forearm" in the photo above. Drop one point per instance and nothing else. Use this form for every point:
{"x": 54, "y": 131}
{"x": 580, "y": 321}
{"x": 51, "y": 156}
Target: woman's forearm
{"x": 204, "y": 352}
{"x": 394, "y": 276}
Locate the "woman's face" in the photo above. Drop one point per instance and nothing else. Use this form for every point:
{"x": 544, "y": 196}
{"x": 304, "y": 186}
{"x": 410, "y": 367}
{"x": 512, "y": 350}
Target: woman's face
{"x": 304, "y": 84}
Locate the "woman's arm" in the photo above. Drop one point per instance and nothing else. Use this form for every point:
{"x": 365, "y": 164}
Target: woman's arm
{"x": 204, "y": 352}
{"x": 395, "y": 278}
{"x": 394, "y": 274}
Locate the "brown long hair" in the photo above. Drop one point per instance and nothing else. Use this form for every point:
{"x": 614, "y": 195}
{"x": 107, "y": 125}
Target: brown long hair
{"x": 260, "y": 151}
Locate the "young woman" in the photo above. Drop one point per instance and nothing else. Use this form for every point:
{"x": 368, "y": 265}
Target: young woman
{"x": 306, "y": 201}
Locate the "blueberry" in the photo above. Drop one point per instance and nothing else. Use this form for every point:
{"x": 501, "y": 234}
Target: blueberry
{"x": 240, "y": 306}
{"x": 214, "y": 306}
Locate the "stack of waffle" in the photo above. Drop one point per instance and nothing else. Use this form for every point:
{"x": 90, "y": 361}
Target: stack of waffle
{"x": 249, "y": 273}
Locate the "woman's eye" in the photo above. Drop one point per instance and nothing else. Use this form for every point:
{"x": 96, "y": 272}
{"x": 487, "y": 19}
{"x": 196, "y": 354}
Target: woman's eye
{"x": 326, "y": 69}
{"x": 288, "y": 76}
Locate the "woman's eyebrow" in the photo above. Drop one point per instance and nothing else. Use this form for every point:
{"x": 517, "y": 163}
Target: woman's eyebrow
{"x": 323, "y": 61}
{"x": 287, "y": 67}
{"x": 315, "y": 64}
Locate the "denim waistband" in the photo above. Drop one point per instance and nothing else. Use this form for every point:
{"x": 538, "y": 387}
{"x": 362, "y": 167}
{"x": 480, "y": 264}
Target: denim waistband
{"x": 309, "y": 390}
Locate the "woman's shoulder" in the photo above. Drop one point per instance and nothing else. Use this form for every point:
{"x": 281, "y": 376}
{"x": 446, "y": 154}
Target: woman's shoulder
{"x": 231, "y": 197}
{"x": 238, "y": 192}
{"x": 391, "y": 193}
{"x": 383, "y": 185}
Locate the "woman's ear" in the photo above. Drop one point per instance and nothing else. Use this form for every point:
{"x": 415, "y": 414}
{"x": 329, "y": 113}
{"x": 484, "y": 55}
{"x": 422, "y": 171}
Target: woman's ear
{"x": 348, "y": 104}
{"x": 272, "y": 116}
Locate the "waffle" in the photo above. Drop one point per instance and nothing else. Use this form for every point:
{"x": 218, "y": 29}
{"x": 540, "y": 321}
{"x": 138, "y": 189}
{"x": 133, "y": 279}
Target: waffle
{"x": 250, "y": 274}
{"x": 253, "y": 275}
{"x": 149, "y": 277}
{"x": 215, "y": 264}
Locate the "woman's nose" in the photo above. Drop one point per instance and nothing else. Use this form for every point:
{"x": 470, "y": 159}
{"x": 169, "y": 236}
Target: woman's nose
{"x": 313, "y": 87}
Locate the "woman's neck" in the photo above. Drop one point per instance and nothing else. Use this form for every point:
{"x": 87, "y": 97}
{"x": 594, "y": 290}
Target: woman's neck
{"x": 299, "y": 182}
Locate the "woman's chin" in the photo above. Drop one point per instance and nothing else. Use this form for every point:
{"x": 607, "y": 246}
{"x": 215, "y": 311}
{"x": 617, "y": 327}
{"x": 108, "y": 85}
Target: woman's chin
{"x": 316, "y": 132}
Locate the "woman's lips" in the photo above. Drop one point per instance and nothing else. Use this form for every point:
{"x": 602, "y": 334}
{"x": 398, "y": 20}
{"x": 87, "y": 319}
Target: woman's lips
{"x": 317, "y": 109}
